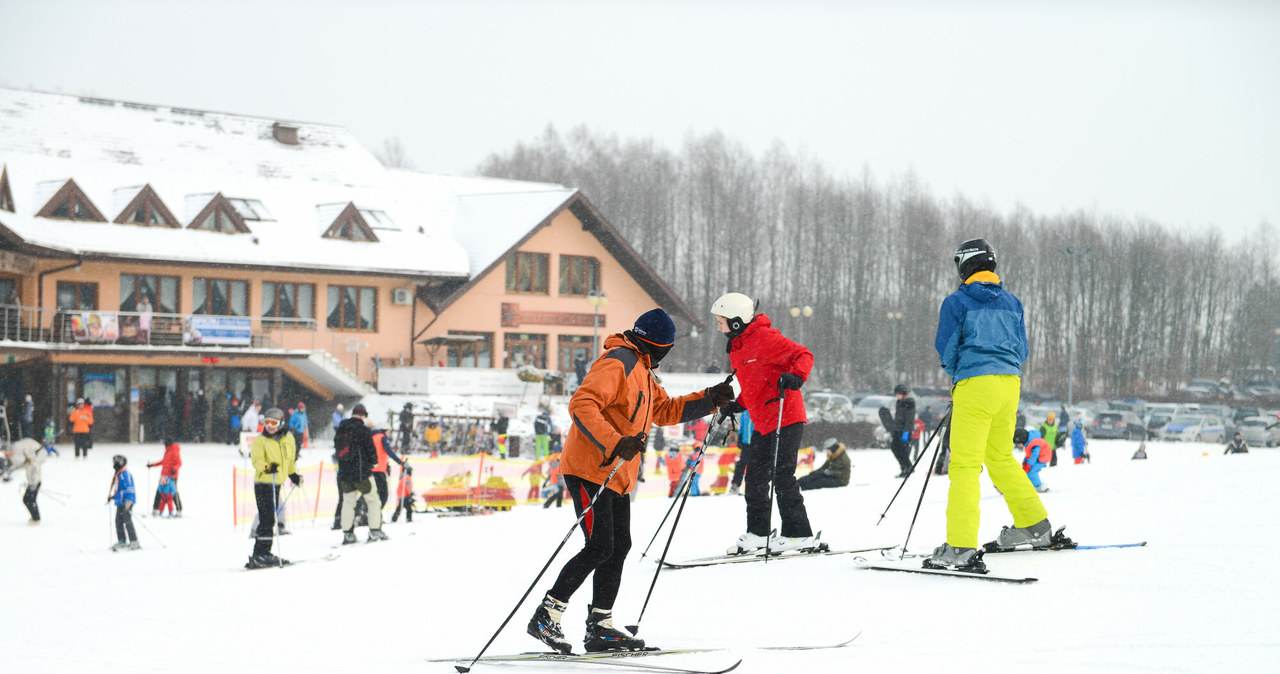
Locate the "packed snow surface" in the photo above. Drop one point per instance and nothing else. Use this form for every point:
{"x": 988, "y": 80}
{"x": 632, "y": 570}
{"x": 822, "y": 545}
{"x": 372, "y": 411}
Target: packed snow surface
{"x": 1200, "y": 597}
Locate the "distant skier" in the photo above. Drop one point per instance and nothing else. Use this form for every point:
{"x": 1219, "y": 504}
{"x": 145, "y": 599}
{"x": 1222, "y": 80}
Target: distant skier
{"x": 382, "y": 447}
{"x": 542, "y": 434}
{"x": 273, "y": 455}
{"x": 770, "y": 370}
{"x": 298, "y": 426}
{"x": 904, "y": 421}
{"x": 1079, "y": 444}
{"x": 1049, "y": 431}
{"x": 1037, "y": 454}
{"x": 982, "y": 344}
{"x": 1237, "y": 445}
{"x": 1141, "y": 453}
{"x": 169, "y": 466}
{"x": 404, "y": 494}
{"x": 124, "y": 495}
{"x": 834, "y": 472}
{"x": 29, "y": 453}
{"x": 356, "y": 458}
{"x": 81, "y": 420}
{"x": 406, "y": 427}
{"x": 612, "y": 411}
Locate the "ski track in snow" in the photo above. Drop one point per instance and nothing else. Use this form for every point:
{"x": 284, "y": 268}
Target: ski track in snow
{"x": 1200, "y": 597}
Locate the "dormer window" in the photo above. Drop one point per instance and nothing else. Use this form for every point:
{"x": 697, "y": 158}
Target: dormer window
{"x": 6, "y": 194}
{"x": 250, "y": 209}
{"x": 70, "y": 203}
{"x": 351, "y": 226}
{"x": 219, "y": 216}
{"x": 146, "y": 209}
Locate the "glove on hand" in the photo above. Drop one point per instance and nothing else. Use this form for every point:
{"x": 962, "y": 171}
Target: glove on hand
{"x": 790, "y": 381}
{"x": 628, "y": 447}
{"x": 297, "y": 479}
{"x": 906, "y": 435}
{"x": 721, "y": 394}
{"x": 271, "y": 469}
{"x": 734, "y": 407}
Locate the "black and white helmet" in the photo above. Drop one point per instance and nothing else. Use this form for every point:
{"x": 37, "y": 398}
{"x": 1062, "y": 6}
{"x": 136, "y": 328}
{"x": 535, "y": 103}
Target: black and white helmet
{"x": 738, "y": 310}
{"x": 118, "y": 461}
{"x": 973, "y": 256}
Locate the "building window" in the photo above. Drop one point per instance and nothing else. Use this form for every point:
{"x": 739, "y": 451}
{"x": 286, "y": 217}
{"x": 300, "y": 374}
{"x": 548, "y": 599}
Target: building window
{"x": 527, "y": 273}
{"x": 250, "y": 209}
{"x": 219, "y": 297}
{"x": 573, "y": 347}
{"x": 146, "y": 209}
{"x": 6, "y": 194}
{"x": 352, "y": 308}
{"x": 526, "y": 349}
{"x": 70, "y": 203}
{"x": 579, "y": 275}
{"x": 8, "y": 291}
{"x": 74, "y": 296}
{"x": 161, "y": 293}
{"x": 351, "y": 226}
{"x": 219, "y": 216}
{"x": 288, "y": 300}
{"x": 475, "y": 354}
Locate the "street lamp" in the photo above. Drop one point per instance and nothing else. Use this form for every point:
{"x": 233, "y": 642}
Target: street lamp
{"x": 797, "y": 312}
{"x": 1075, "y": 254}
{"x": 894, "y": 317}
{"x": 596, "y": 299}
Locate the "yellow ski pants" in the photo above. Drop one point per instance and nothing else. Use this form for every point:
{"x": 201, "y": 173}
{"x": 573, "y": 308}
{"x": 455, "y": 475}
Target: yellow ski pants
{"x": 983, "y": 414}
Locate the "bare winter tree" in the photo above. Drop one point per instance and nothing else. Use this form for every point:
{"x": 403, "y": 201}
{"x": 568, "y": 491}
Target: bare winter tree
{"x": 393, "y": 154}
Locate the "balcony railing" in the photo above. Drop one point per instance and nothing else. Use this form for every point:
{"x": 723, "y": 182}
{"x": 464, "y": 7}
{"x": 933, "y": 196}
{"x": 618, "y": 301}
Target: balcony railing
{"x": 139, "y": 329}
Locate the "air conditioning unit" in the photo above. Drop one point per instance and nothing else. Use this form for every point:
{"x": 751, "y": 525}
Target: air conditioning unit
{"x": 402, "y": 296}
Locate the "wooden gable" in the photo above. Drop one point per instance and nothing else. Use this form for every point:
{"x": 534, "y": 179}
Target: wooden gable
{"x": 71, "y": 203}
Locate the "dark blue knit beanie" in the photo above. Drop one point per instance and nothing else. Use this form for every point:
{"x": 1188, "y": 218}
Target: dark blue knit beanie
{"x": 655, "y": 327}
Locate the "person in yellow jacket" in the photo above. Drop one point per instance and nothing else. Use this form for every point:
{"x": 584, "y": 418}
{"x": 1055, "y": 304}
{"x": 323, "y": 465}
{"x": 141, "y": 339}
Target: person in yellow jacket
{"x": 81, "y": 419}
{"x": 273, "y": 454}
{"x": 612, "y": 410}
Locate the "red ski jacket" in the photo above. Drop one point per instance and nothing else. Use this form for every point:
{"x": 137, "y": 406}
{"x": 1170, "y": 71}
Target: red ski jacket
{"x": 171, "y": 462}
{"x": 760, "y": 355}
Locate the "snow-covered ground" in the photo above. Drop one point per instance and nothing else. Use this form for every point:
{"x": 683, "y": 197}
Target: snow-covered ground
{"x": 1200, "y": 597}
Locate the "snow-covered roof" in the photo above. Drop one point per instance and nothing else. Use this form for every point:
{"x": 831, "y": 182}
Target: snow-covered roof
{"x": 112, "y": 148}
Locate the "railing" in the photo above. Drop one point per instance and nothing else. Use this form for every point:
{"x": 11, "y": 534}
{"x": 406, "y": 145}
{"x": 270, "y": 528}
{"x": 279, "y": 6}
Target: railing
{"x": 148, "y": 329}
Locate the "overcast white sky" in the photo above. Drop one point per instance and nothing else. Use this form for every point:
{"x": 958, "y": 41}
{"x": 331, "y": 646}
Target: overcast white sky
{"x": 1169, "y": 110}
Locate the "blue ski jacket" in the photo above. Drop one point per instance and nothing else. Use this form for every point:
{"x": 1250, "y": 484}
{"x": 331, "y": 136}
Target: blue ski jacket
{"x": 125, "y": 491}
{"x": 981, "y": 330}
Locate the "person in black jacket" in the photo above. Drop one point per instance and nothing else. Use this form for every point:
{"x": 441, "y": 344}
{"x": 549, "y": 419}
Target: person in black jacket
{"x": 904, "y": 420}
{"x": 353, "y": 445}
{"x": 1237, "y": 445}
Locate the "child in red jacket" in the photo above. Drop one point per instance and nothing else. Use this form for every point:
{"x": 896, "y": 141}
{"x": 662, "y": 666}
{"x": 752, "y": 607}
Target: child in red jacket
{"x": 167, "y": 492}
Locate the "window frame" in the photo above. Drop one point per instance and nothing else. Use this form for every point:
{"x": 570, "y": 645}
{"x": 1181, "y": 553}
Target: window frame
{"x": 456, "y": 353}
{"x": 330, "y": 289}
{"x": 150, "y": 202}
{"x": 76, "y": 287}
{"x": 199, "y": 308}
{"x": 71, "y": 192}
{"x": 568, "y": 284}
{"x": 276, "y": 318}
{"x": 513, "y": 340}
{"x": 157, "y": 306}
{"x": 517, "y": 262}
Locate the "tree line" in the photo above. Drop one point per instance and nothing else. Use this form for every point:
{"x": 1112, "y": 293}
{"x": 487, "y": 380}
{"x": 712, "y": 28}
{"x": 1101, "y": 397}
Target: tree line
{"x": 1150, "y": 306}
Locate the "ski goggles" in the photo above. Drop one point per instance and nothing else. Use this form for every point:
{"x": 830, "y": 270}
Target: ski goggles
{"x": 271, "y": 424}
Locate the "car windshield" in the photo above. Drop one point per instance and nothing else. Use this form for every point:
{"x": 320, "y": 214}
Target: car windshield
{"x": 1185, "y": 421}
{"x": 1252, "y": 423}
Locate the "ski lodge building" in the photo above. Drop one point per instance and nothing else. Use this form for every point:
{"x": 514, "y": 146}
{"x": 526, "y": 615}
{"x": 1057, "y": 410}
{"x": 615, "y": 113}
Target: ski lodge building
{"x": 153, "y": 254}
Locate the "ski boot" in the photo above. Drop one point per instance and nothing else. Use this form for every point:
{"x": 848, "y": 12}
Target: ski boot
{"x": 1034, "y": 537}
{"x": 349, "y": 537}
{"x": 134, "y": 545}
{"x": 748, "y": 542}
{"x": 545, "y": 625}
{"x": 264, "y": 560}
{"x": 968, "y": 560}
{"x": 801, "y": 543}
{"x": 122, "y": 545}
{"x": 602, "y": 636}
{"x": 376, "y": 535}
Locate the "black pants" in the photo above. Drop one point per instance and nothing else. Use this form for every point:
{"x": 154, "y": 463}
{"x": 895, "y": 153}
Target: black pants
{"x": 124, "y": 523}
{"x": 266, "y": 495}
{"x": 177, "y": 501}
{"x": 557, "y": 495}
{"x": 607, "y": 529}
{"x": 29, "y": 500}
{"x": 795, "y": 519}
{"x": 902, "y": 452}
{"x": 744, "y": 460}
{"x": 819, "y": 480}
{"x": 82, "y": 443}
{"x": 380, "y": 483}
{"x": 407, "y": 504}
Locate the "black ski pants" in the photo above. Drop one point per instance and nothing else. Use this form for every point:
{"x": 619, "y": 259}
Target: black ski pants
{"x": 406, "y": 504}
{"x": 380, "y": 483}
{"x": 266, "y": 495}
{"x": 795, "y": 519}
{"x": 124, "y": 523}
{"x": 82, "y": 443}
{"x": 819, "y": 480}
{"x": 29, "y": 500}
{"x": 607, "y": 528}
{"x": 902, "y": 452}
{"x": 744, "y": 460}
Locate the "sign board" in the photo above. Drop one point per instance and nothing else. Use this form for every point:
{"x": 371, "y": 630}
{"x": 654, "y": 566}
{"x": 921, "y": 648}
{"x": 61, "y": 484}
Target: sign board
{"x": 230, "y": 330}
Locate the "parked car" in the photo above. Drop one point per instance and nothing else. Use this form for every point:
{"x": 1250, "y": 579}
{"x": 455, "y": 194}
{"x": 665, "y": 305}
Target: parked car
{"x": 1188, "y": 428}
{"x": 1123, "y": 425}
{"x": 1255, "y": 432}
{"x": 828, "y": 406}
{"x": 868, "y": 410}
{"x": 1036, "y": 414}
{"x": 1155, "y": 424}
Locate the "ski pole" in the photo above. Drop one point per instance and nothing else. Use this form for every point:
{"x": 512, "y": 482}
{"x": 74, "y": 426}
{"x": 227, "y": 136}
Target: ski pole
{"x": 928, "y": 474}
{"x": 902, "y": 484}
{"x": 466, "y": 668}
{"x": 153, "y": 534}
{"x": 687, "y": 488}
{"x": 773, "y": 477}
{"x": 275, "y": 526}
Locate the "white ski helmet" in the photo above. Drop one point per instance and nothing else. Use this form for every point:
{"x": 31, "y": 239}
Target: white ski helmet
{"x": 737, "y": 308}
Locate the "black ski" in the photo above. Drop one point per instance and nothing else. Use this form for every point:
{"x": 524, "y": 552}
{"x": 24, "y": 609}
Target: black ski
{"x": 327, "y": 558}
{"x": 760, "y": 557}
{"x": 864, "y": 563}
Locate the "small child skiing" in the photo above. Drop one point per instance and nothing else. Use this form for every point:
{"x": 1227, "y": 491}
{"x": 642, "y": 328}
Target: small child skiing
{"x": 1079, "y": 445}
{"x": 1038, "y": 454}
{"x": 404, "y": 495}
{"x": 1141, "y": 453}
{"x": 675, "y": 469}
{"x": 50, "y": 435}
{"x": 169, "y": 466}
{"x": 534, "y": 471}
{"x": 124, "y": 494}
{"x": 166, "y": 491}
{"x": 693, "y": 464}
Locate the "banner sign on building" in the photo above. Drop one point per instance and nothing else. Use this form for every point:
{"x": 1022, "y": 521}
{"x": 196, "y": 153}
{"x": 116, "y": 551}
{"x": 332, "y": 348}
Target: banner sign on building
{"x": 229, "y": 330}
{"x": 94, "y": 327}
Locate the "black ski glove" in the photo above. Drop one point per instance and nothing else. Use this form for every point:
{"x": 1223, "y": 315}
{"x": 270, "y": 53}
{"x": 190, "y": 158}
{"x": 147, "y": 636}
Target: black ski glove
{"x": 734, "y": 407}
{"x": 627, "y": 448}
{"x": 297, "y": 479}
{"x": 271, "y": 469}
{"x": 721, "y": 394}
{"x": 790, "y": 381}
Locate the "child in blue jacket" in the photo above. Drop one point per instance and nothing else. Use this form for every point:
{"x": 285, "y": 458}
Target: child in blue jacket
{"x": 124, "y": 494}
{"x": 1079, "y": 446}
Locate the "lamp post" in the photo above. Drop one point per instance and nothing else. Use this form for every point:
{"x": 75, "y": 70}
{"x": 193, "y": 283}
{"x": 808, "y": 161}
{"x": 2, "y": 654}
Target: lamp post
{"x": 1276, "y": 380}
{"x": 894, "y": 317}
{"x": 1075, "y": 254}
{"x": 797, "y": 312}
{"x": 597, "y": 299}
{"x": 1195, "y": 350}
